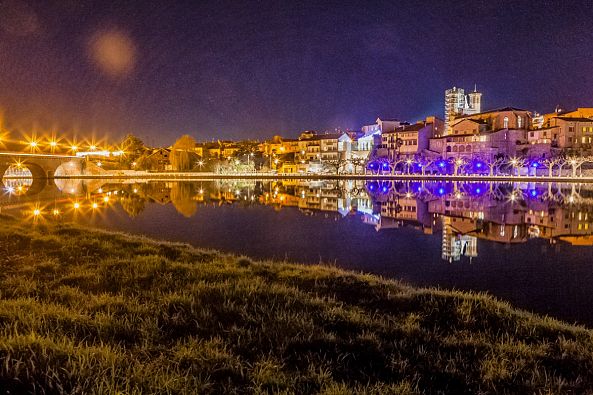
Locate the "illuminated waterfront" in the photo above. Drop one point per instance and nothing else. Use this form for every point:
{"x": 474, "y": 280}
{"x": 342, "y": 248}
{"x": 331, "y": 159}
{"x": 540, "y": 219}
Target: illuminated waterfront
{"x": 526, "y": 243}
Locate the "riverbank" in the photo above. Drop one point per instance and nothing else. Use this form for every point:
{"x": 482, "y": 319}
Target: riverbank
{"x": 84, "y": 311}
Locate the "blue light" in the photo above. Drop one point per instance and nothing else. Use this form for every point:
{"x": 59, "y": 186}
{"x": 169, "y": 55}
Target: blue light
{"x": 478, "y": 190}
{"x": 478, "y": 165}
{"x": 441, "y": 191}
{"x": 533, "y": 193}
{"x": 534, "y": 164}
{"x": 441, "y": 164}
{"x": 385, "y": 165}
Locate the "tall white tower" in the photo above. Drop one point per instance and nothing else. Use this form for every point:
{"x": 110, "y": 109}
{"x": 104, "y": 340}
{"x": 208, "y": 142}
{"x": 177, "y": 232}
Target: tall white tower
{"x": 458, "y": 103}
{"x": 454, "y": 104}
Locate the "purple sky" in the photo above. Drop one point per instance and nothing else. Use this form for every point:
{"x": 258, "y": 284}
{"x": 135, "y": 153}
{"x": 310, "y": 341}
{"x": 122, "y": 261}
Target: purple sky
{"x": 252, "y": 69}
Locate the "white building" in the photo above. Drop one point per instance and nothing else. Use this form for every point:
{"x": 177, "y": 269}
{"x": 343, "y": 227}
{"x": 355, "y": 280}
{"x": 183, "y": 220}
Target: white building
{"x": 458, "y": 103}
{"x": 372, "y": 135}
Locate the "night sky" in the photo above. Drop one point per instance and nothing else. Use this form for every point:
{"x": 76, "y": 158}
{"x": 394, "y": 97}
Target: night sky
{"x": 252, "y": 69}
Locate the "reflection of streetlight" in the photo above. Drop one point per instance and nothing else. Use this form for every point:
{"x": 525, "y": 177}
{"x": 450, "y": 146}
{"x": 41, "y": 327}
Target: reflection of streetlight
{"x": 99, "y": 164}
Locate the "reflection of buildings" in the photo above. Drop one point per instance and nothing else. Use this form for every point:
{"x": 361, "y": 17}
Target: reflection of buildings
{"x": 455, "y": 244}
{"x": 470, "y": 212}
{"x": 462, "y": 213}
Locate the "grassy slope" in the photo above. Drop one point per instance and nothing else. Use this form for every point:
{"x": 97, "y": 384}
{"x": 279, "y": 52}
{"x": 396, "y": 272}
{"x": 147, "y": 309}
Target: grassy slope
{"x": 83, "y": 311}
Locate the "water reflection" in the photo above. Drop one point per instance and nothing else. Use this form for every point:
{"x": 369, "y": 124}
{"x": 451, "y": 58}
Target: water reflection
{"x": 462, "y": 212}
{"x": 526, "y": 243}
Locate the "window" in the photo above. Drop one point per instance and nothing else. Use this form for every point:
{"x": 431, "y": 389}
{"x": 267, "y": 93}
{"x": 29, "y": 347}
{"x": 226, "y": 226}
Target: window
{"x": 505, "y": 123}
{"x": 520, "y": 122}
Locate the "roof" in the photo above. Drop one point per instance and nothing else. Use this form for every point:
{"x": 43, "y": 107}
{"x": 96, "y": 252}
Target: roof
{"x": 575, "y": 119}
{"x": 387, "y": 119}
{"x": 409, "y": 128}
{"x": 503, "y": 109}
{"x": 546, "y": 128}
{"x": 329, "y": 136}
{"x": 478, "y": 121}
{"x": 455, "y": 135}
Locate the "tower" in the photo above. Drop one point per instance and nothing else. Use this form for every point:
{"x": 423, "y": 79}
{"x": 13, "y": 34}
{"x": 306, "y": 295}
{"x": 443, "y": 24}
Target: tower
{"x": 454, "y": 104}
{"x": 458, "y": 103}
{"x": 475, "y": 101}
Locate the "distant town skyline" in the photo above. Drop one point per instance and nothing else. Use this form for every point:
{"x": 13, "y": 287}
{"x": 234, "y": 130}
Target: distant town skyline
{"x": 234, "y": 70}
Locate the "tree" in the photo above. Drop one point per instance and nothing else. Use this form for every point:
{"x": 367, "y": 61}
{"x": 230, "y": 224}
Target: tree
{"x": 494, "y": 165}
{"x": 334, "y": 165}
{"x": 424, "y": 162}
{"x": 357, "y": 162}
{"x": 575, "y": 162}
{"x": 132, "y": 148}
{"x": 550, "y": 163}
{"x": 183, "y": 155}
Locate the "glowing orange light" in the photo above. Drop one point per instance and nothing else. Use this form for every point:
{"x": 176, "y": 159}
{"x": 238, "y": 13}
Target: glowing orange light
{"x": 76, "y": 205}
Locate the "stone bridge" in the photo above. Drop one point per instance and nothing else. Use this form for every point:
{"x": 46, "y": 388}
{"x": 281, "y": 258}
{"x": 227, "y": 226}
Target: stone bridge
{"x": 42, "y": 167}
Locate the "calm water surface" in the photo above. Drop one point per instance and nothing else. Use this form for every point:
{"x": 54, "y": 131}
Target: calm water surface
{"x": 530, "y": 244}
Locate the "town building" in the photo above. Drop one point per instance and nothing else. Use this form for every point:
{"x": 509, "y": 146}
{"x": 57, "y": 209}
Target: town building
{"x": 488, "y": 134}
{"x": 158, "y": 159}
{"x": 366, "y": 144}
{"x": 574, "y": 134}
{"x": 410, "y": 140}
{"x": 458, "y": 103}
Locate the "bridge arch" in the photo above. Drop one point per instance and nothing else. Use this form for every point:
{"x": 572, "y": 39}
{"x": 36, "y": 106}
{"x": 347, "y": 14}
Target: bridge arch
{"x": 35, "y": 183}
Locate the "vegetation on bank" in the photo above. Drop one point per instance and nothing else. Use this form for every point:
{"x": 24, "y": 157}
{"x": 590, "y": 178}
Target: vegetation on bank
{"x": 86, "y": 311}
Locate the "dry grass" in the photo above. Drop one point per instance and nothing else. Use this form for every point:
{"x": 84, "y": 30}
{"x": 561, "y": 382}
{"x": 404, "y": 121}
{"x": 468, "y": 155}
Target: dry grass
{"x": 92, "y": 312}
